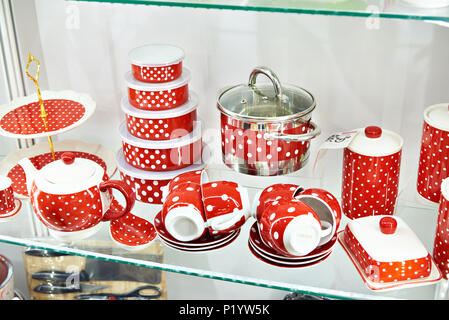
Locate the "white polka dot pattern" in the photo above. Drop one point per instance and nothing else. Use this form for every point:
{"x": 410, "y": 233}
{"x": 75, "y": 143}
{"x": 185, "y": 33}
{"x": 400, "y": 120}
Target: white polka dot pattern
{"x": 7, "y": 203}
{"x": 433, "y": 162}
{"x": 158, "y": 100}
{"x": 161, "y": 129}
{"x": 147, "y": 191}
{"x": 441, "y": 243}
{"x": 162, "y": 159}
{"x": 26, "y": 120}
{"x": 370, "y": 184}
{"x": 154, "y": 74}
{"x": 387, "y": 271}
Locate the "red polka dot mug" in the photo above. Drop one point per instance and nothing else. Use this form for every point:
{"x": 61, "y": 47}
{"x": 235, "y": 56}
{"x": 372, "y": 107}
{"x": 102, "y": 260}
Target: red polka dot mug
{"x": 291, "y": 227}
{"x": 71, "y": 196}
{"x": 371, "y": 167}
{"x": 7, "y": 201}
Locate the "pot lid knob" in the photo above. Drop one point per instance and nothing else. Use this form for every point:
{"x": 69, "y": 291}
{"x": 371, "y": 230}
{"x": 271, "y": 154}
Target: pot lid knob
{"x": 68, "y": 158}
{"x": 373, "y": 132}
{"x": 388, "y": 225}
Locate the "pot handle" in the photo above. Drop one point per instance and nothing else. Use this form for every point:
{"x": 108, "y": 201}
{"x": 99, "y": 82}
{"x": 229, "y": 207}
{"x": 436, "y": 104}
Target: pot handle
{"x": 127, "y": 193}
{"x": 270, "y": 75}
{"x": 294, "y": 137}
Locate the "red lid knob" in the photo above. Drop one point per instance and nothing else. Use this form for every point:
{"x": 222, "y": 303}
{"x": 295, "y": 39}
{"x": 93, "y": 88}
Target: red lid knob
{"x": 373, "y": 132}
{"x": 68, "y": 157}
{"x": 388, "y": 225}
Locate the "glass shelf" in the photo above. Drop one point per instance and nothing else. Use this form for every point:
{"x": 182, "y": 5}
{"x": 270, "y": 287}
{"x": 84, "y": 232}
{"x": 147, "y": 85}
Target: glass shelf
{"x": 336, "y": 277}
{"x": 394, "y": 9}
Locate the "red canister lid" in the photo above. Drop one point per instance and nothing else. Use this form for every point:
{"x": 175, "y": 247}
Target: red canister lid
{"x": 376, "y": 142}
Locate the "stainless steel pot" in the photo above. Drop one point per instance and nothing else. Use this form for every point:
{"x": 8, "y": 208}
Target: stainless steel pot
{"x": 6, "y": 279}
{"x": 266, "y": 129}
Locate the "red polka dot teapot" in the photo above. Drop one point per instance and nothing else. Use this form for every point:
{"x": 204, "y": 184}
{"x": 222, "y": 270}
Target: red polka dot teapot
{"x": 71, "y": 196}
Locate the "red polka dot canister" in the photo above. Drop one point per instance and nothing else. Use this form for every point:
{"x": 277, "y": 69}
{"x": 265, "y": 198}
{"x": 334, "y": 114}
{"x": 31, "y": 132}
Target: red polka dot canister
{"x": 434, "y": 155}
{"x": 441, "y": 243}
{"x": 156, "y": 63}
{"x": 163, "y": 124}
{"x": 158, "y": 96}
{"x": 371, "y": 167}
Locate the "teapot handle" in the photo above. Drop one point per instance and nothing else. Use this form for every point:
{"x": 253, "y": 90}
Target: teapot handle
{"x": 128, "y": 194}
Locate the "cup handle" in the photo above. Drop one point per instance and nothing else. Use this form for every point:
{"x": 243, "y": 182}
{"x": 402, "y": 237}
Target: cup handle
{"x": 128, "y": 194}
{"x": 219, "y": 226}
{"x": 327, "y": 228}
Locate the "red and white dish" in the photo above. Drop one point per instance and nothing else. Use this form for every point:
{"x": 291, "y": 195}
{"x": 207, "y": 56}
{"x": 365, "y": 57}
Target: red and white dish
{"x": 204, "y": 241}
{"x": 163, "y": 124}
{"x": 65, "y": 110}
{"x": 282, "y": 265}
{"x": 220, "y": 245}
{"x": 158, "y": 96}
{"x": 387, "y": 250}
{"x": 12, "y": 214}
{"x": 371, "y": 166}
{"x": 434, "y": 276}
{"x": 40, "y": 156}
{"x": 256, "y": 240}
{"x": 433, "y": 166}
{"x": 7, "y": 203}
{"x": 440, "y": 249}
{"x": 196, "y": 176}
{"x": 162, "y": 155}
{"x": 131, "y": 231}
{"x": 147, "y": 185}
{"x": 156, "y": 63}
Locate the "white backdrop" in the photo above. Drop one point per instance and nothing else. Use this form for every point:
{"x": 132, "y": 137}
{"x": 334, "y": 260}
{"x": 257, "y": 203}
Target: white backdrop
{"x": 360, "y": 76}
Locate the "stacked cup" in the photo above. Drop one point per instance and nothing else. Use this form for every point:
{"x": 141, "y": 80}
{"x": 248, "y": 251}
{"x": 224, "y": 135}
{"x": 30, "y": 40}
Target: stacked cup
{"x": 161, "y": 136}
{"x": 295, "y": 227}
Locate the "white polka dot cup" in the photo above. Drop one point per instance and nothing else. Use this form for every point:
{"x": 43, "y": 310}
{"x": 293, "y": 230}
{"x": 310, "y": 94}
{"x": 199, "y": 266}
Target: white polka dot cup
{"x": 226, "y": 206}
{"x": 161, "y": 96}
{"x": 433, "y": 161}
{"x": 371, "y": 167}
{"x": 161, "y": 125}
{"x": 440, "y": 246}
{"x": 272, "y": 193}
{"x": 183, "y": 213}
{"x": 325, "y": 205}
{"x": 7, "y": 201}
{"x": 71, "y": 196}
{"x": 156, "y": 63}
{"x": 292, "y": 228}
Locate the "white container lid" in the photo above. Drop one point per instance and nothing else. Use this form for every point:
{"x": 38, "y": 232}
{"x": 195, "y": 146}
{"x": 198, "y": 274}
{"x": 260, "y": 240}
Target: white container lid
{"x": 376, "y": 142}
{"x": 402, "y": 245}
{"x": 186, "y": 108}
{"x": 156, "y": 55}
{"x": 161, "y": 144}
{"x": 437, "y": 116}
{"x": 131, "y": 171}
{"x": 135, "y": 84}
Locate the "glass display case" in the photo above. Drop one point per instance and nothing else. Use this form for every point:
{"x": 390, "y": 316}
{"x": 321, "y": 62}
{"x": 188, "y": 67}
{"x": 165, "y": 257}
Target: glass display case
{"x": 366, "y": 63}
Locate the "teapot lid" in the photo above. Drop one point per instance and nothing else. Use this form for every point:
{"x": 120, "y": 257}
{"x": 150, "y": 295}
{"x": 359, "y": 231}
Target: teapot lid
{"x": 69, "y": 174}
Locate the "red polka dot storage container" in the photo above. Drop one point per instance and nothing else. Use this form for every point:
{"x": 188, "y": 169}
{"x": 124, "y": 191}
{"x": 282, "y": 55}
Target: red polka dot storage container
{"x": 434, "y": 156}
{"x": 156, "y": 63}
{"x": 371, "y": 167}
{"x": 161, "y": 155}
{"x": 386, "y": 250}
{"x": 161, "y": 125}
{"x": 147, "y": 185}
{"x": 158, "y": 96}
{"x": 266, "y": 129}
{"x": 441, "y": 243}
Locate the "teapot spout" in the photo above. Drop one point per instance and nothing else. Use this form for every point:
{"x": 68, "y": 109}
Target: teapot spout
{"x": 30, "y": 171}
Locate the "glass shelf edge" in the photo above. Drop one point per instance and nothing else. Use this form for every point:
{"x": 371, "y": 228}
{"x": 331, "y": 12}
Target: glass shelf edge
{"x": 359, "y": 14}
{"x": 328, "y": 293}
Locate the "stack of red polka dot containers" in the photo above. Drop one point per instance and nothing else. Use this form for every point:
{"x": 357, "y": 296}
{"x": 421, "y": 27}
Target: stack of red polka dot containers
{"x": 161, "y": 137}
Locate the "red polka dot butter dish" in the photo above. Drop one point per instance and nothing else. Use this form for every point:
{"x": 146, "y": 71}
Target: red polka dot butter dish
{"x": 162, "y": 155}
{"x": 148, "y": 185}
{"x": 65, "y": 110}
{"x": 71, "y": 196}
{"x": 433, "y": 161}
{"x": 387, "y": 253}
{"x": 158, "y": 96}
{"x": 266, "y": 129}
{"x": 161, "y": 124}
{"x": 371, "y": 168}
{"x": 156, "y": 63}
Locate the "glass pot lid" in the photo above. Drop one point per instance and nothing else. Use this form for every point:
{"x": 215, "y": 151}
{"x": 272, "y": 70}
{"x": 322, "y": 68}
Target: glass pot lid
{"x": 265, "y": 102}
